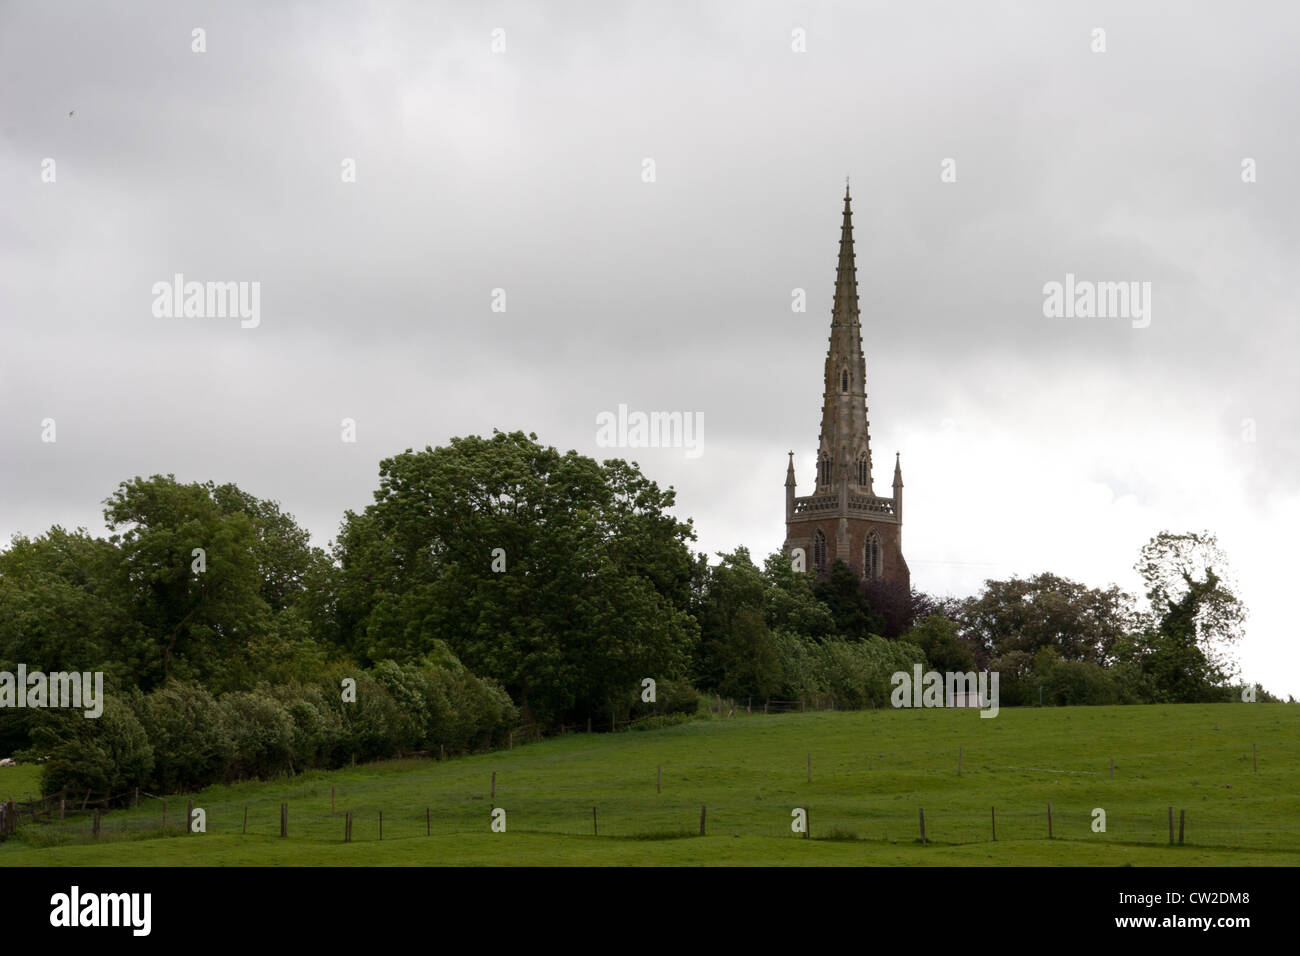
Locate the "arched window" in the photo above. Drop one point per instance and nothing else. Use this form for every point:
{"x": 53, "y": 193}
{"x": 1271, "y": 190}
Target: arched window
{"x": 844, "y": 381}
{"x": 819, "y": 550}
{"x": 824, "y": 470}
{"x": 863, "y": 469}
{"x": 872, "y": 559}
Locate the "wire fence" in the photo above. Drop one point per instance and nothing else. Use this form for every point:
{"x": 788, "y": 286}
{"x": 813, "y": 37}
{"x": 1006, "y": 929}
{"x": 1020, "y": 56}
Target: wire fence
{"x": 658, "y": 819}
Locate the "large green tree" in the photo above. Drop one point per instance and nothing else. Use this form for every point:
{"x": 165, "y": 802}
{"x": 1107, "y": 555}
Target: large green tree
{"x": 738, "y": 654}
{"x": 842, "y": 591}
{"x": 566, "y": 579}
{"x": 1023, "y": 615}
{"x": 204, "y": 570}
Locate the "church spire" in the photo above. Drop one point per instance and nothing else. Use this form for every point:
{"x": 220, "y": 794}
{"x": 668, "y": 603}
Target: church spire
{"x": 898, "y": 488}
{"x": 844, "y": 446}
{"x": 843, "y": 518}
{"x": 846, "y": 274}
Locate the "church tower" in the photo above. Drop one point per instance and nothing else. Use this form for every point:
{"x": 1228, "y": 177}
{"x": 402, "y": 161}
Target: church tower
{"x": 844, "y": 518}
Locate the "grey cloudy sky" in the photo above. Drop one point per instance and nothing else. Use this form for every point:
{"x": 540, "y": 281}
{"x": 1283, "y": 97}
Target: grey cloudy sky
{"x": 1028, "y": 443}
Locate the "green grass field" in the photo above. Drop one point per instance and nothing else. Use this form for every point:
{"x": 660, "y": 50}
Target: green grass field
{"x": 872, "y": 771}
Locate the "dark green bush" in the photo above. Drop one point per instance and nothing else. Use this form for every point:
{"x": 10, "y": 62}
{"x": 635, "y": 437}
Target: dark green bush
{"x": 107, "y": 755}
{"x": 191, "y": 744}
{"x": 261, "y": 732}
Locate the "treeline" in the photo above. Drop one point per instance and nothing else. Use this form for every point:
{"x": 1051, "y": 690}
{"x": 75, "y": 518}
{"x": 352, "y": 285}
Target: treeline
{"x": 495, "y": 581}
{"x": 180, "y": 737}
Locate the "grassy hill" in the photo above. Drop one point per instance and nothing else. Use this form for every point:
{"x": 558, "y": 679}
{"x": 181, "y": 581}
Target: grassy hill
{"x": 871, "y": 773}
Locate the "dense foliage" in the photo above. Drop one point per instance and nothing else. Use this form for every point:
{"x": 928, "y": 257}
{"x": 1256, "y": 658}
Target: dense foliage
{"x": 495, "y": 581}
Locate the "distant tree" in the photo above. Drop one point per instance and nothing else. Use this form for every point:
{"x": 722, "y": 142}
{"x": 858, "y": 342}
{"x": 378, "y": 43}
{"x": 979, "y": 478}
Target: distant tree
{"x": 58, "y": 606}
{"x": 1196, "y": 613}
{"x": 900, "y": 608}
{"x": 287, "y": 564}
{"x": 738, "y": 655}
{"x": 203, "y": 571}
{"x": 944, "y": 648}
{"x": 842, "y": 592}
{"x": 1046, "y": 610}
{"x": 791, "y": 604}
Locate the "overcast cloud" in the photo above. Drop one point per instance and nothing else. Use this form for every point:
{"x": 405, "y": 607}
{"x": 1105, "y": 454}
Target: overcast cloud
{"x": 1028, "y": 443}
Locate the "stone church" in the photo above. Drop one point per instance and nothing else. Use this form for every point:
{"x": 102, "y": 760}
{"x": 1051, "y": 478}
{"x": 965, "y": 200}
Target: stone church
{"x": 844, "y": 518}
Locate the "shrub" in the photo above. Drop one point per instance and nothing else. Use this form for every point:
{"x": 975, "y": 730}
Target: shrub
{"x": 191, "y": 745}
{"x": 109, "y": 755}
{"x": 261, "y": 732}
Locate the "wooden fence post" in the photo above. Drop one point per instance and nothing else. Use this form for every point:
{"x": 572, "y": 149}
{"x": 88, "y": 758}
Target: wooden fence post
{"x": 245, "y": 819}
{"x": 512, "y": 740}
{"x": 765, "y": 703}
{"x": 63, "y": 798}
{"x": 993, "y": 816}
{"x": 1049, "y": 821}
{"x": 347, "y": 827}
{"x": 807, "y": 823}
{"x": 921, "y": 811}
{"x": 701, "y": 819}
{"x": 1182, "y": 818}
{"x": 595, "y": 830}
{"x": 284, "y": 819}
{"x": 189, "y": 816}
{"x": 96, "y": 821}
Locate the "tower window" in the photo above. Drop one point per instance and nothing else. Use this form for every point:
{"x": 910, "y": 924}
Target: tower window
{"x": 819, "y": 550}
{"x": 824, "y": 470}
{"x": 871, "y": 563}
{"x": 863, "y": 469}
{"x": 844, "y": 381}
